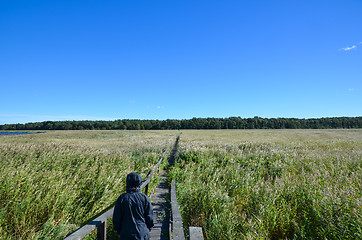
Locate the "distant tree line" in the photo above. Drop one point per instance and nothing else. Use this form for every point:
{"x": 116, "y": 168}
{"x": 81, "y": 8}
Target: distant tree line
{"x": 194, "y": 123}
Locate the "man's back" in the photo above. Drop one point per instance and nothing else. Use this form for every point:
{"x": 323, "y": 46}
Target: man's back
{"x": 133, "y": 213}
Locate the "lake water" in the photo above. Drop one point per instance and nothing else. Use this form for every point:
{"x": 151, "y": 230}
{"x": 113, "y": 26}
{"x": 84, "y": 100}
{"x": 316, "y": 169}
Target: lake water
{"x": 14, "y": 133}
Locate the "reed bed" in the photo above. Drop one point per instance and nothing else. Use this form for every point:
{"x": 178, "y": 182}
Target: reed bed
{"x": 271, "y": 184}
{"x": 53, "y": 182}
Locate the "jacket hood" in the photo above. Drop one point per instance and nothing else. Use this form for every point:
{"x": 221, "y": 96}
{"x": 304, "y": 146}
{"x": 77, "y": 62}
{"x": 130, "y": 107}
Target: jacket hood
{"x": 134, "y": 181}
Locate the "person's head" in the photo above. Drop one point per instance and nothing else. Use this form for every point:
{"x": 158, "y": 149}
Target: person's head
{"x": 134, "y": 181}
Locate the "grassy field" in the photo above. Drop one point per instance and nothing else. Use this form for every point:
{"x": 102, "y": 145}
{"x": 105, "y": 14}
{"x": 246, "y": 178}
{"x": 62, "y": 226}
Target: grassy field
{"x": 53, "y": 182}
{"x": 271, "y": 184}
{"x": 236, "y": 184}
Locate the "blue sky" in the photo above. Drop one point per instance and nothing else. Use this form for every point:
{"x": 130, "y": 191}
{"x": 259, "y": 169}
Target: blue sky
{"x": 104, "y": 60}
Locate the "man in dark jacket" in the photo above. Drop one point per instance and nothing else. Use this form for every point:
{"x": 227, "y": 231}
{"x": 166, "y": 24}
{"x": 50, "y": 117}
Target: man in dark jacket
{"x": 133, "y": 213}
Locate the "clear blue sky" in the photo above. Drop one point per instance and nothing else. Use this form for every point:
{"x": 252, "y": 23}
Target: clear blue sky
{"x": 88, "y": 60}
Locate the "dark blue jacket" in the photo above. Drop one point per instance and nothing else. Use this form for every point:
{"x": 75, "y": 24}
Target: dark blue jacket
{"x": 133, "y": 213}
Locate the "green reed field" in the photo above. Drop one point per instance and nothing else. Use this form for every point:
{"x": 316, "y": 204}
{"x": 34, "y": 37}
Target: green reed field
{"x": 271, "y": 184}
{"x": 53, "y": 182}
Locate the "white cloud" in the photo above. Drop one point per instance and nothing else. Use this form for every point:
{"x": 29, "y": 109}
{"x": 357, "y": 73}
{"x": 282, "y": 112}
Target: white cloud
{"x": 160, "y": 107}
{"x": 349, "y": 48}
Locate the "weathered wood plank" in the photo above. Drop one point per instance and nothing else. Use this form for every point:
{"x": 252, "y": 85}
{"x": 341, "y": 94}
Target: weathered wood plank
{"x": 177, "y": 229}
{"x": 102, "y": 231}
{"x": 161, "y": 210}
{"x": 195, "y": 233}
{"x": 86, "y": 229}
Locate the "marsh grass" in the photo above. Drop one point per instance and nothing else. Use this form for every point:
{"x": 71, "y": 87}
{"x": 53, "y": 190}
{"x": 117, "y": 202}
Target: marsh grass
{"x": 270, "y": 184}
{"x": 52, "y": 183}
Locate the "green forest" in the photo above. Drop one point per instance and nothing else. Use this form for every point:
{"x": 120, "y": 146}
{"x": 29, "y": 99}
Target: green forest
{"x": 194, "y": 123}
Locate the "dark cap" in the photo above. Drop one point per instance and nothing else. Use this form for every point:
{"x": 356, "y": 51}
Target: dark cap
{"x": 134, "y": 181}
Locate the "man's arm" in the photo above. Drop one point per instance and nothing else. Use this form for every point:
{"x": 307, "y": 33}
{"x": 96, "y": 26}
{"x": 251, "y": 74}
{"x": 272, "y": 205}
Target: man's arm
{"x": 117, "y": 216}
{"x": 149, "y": 213}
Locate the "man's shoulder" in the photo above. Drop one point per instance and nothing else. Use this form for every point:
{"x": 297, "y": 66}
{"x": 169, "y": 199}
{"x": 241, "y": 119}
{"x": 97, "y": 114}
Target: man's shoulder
{"x": 121, "y": 197}
{"x": 126, "y": 195}
{"x": 141, "y": 194}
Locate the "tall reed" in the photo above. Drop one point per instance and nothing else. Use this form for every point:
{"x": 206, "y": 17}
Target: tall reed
{"x": 53, "y": 182}
{"x": 299, "y": 184}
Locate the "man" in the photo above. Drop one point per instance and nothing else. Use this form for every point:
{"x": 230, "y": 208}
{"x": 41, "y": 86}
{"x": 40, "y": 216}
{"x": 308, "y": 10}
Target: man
{"x": 133, "y": 213}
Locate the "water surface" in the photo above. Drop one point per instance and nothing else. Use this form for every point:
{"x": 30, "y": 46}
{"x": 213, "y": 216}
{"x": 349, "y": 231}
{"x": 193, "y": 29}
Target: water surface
{"x": 14, "y": 133}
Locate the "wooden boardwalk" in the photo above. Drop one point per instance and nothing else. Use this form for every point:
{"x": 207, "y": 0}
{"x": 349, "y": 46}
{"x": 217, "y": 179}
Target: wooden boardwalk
{"x": 161, "y": 203}
{"x": 164, "y": 205}
{"x": 161, "y": 210}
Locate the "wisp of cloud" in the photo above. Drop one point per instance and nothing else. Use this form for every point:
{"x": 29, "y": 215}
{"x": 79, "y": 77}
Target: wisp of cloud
{"x": 349, "y": 48}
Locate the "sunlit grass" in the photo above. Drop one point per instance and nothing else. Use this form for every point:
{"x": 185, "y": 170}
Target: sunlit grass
{"x": 53, "y": 182}
{"x": 236, "y": 184}
{"x": 271, "y": 184}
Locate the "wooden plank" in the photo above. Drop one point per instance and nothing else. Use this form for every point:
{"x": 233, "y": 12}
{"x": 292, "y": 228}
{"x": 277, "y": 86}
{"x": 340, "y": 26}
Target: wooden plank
{"x": 102, "y": 231}
{"x": 161, "y": 210}
{"x": 86, "y": 229}
{"x": 177, "y": 229}
{"x": 195, "y": 233}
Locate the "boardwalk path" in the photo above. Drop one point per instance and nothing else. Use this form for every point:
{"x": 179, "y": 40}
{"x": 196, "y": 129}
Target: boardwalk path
{"x": 161, "y": 203}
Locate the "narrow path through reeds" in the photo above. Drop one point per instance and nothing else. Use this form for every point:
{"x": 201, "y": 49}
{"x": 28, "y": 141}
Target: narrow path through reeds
{"x": 161, "y": 203}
